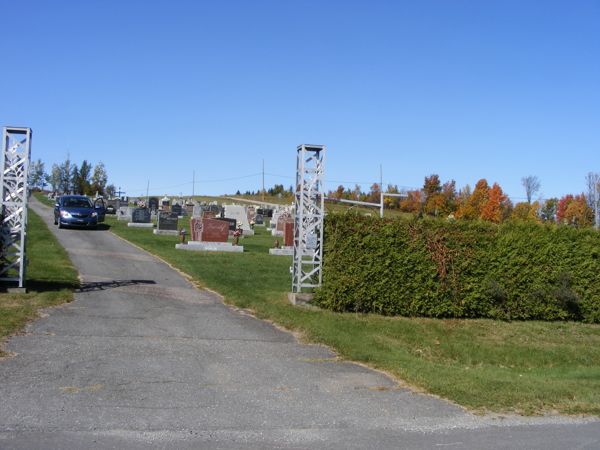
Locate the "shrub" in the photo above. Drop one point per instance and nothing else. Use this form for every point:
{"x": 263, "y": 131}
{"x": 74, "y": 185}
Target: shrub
{"x": 437, "y": 268}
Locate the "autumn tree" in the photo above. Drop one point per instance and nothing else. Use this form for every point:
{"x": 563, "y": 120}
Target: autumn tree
{"x": 493, "y": 209}
{"x": 574, "y": 210}
{"x": 526, "y": 212}
{"x": 473, "y": 205}
{"x": 391, "y": 202}
{"x": 374, "y": 195}
{"x": 412, "y": 202}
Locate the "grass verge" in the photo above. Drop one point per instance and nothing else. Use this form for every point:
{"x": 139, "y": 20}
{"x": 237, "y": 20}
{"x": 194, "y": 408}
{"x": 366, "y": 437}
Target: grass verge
{"x": 484, "y": 365}
{"x": 50, "y": 280}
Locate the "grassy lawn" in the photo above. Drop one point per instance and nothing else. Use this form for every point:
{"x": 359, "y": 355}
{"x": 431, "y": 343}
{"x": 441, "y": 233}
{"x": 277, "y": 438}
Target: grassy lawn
{"x": 51, "y": 279}
{"x": 485, "y": 365}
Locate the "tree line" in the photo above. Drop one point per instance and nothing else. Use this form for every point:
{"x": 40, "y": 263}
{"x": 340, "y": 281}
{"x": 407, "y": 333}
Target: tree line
{"x": 485, "y": 202}
{"x": 69, "y": 178}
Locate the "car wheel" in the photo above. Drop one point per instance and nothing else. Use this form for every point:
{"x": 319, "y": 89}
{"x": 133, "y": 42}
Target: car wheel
{"x": 60, "y": 225}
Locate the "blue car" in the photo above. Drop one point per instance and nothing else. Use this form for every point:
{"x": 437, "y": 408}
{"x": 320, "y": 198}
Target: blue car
{"x": 78, "y": 211}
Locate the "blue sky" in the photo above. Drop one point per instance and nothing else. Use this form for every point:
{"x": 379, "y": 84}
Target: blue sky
{"x": 157, "y": 90}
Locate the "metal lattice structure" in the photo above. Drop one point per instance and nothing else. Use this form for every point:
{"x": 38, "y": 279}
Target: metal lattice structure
{"x": 16, "y": 152}
{"x": 308, "y": 221}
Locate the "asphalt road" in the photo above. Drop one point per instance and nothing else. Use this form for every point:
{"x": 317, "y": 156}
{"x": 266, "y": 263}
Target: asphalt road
{"x": 142, "y": 359}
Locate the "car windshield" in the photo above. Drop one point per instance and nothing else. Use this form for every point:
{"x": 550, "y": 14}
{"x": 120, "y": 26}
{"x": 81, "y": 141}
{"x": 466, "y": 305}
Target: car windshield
{"x": 77, "y": 203}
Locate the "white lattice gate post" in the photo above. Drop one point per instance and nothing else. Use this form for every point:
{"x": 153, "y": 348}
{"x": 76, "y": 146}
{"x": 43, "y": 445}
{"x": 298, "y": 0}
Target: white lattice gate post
{"x": 16, "y": 152}
{"x": 308, "y": 222}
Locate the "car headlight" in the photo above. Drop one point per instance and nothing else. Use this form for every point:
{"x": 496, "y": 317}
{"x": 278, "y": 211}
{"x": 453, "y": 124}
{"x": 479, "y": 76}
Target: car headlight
{"x": 94, "y": 214}
{"x": 65, "y": 214}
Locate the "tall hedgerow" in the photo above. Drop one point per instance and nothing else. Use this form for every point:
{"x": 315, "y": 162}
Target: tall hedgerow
{"x": 437, "y": 268}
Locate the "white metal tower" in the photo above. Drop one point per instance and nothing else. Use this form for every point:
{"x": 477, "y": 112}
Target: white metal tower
{"x": 308, "y": 222}
{"x": 16, "y": 152}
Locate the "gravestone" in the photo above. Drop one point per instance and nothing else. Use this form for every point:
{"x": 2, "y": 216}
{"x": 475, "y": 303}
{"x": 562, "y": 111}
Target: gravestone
{"x": 112, "y": 206}
{"x": 166, "y": 224}
{"x": 211, "y": 230}
{"x": 124, "y": 213}
{"x": 288, "y": 234}
{"x": 165, "y": 203}
{"x": 209, "y": 235}
{"x": 239, "y": 213}
{"x": 141, "y": 215}
{"x": 189, "y": 210}
{"x": 259, "y": 219}
{"x": 197, "y": 211}
{"x": 232, "y": 223}
{"x": 250, "y": 213}
{"x": 141, "y": 218}
{"x": 153, "y": 203}
{"x": 176, "y": 209}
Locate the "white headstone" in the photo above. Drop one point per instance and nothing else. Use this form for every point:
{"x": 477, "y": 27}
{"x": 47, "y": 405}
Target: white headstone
{"x": 125, "y": 213}
{"x": 238, "y": 213}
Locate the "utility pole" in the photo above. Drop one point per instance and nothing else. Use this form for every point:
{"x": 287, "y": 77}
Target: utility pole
{"x": 147, "y": 191}
{"x": 381, "y": 190}
{"x": 193, "y": 183}
{"x": 263, "y": 180}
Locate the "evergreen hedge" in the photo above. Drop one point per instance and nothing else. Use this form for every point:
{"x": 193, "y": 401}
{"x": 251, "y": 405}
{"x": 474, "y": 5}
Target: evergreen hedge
{"x": 437, "y": 268}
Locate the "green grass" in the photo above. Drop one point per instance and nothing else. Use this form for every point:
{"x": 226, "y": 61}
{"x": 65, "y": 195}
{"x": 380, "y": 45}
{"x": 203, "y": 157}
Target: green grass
{"x": 50, "y": 280}
{"x": 44, "y": 199}
{"x": 485, "y": 365}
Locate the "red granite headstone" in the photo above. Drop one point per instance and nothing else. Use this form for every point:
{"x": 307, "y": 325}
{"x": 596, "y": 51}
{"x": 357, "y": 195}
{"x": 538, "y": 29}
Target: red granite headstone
{"x": 208, "y": 215}
{"x": 214, "y": 230}
{"x": 288, "y": 234}
{"x": 196, "y": 227}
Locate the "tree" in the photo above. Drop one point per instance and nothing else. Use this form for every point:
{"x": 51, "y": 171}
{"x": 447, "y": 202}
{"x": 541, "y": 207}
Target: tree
{"x": 526, "y": 212}
{"x": 83, "y": 183}
{"x": 472, "y": 207}
{"x": 548, "y": 210}
{"x": 493, "y": 209}
{"x": 412, "y": 202}
{"x": 431, "y": 186}
{"x": 99, "y": 179}
{"x": 75, "y": 182}
{"x": 374, "y": 195}
{"x": 38, "y": 177}
{"x": 65, "y": 176}
{"x": 110, "y": 191}
{"x": 54, "y": 178}
{"x": 532, "y": 185}
{"x": 391, "y": 202}
{"x": 574, "y": 210}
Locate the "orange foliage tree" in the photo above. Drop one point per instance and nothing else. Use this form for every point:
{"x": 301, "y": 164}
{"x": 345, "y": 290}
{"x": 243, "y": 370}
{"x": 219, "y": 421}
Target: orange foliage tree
{"x": 473, "y": 205}
{"x": 493, "y": 210}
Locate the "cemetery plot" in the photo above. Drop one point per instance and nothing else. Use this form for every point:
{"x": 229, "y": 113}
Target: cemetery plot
{"x": 209, "y": 235}
{"x": 288, "y": 239}
{"x": 124, "y": 213}
{"x": 141, "y": 218}
{"x": 167, "y": 224}
{"x": 239, "y": 213}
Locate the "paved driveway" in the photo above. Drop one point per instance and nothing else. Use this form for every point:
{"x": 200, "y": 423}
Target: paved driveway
{"x": 142, "y": 359}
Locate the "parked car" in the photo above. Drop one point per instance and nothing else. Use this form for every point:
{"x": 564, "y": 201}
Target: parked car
{"x": 78, "y": 211}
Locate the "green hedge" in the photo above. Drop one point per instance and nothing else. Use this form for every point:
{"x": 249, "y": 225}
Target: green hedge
{"x": 436, "y": 268}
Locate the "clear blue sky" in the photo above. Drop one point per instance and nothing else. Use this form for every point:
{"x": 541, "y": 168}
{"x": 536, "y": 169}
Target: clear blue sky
{"x": 465, "y": 89}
